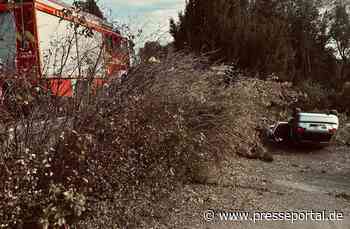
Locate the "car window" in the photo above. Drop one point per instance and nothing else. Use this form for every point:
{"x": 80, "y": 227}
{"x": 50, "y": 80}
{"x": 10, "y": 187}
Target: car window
{"x": 7, "y": 40}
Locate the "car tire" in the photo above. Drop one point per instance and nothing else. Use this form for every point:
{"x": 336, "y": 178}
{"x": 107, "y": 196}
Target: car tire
{"x": 333, "y": 112}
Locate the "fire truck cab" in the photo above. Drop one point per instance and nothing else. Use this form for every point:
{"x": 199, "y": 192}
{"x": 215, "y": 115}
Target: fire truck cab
{"x": 52, "y": 41}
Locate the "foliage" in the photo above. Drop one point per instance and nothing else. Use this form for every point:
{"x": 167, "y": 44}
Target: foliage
{"x": 285, "y": 37}
{"x": 151, "y": 49}
{"x": 340, "y": 30}
{"x": 340, "y": 33}
{"x": 89, "y": 6}
{"x": 317, "y": 96}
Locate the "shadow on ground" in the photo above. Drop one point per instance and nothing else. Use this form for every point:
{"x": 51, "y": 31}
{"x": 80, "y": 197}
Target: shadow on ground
{"x": 294, "y": 148}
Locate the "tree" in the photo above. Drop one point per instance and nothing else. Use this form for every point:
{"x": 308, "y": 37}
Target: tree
{"x": 89, "y": 6}
{"x": 340, "y": 33}
{"x": 152, "y": 49}
{"x": 286, "y": 37}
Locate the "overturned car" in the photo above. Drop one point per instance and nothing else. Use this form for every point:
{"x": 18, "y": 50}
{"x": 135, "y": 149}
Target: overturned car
{"x": 303, "y": 127}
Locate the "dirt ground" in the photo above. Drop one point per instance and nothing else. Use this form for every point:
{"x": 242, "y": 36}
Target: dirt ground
{"x": 298, "y": 179}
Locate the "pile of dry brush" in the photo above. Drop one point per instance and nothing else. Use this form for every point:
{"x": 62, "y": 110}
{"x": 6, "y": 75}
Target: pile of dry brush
{"x": 113, "y": 159}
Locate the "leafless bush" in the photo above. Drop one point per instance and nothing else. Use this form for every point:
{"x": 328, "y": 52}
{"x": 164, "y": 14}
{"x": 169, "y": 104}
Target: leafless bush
{"x": 127, "y": 148}
{"x": 343, "y": 98}
{"x": 317, "y": 97}
{"x": 115, "y": 160}
{"x": 343, "y": 135}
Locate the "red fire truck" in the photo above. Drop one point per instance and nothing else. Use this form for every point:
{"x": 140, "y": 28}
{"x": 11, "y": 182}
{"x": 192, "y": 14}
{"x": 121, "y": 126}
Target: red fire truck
{"x": 47, "y": 40}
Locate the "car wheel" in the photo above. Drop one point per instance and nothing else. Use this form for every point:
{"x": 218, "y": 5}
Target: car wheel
{"x": 333, "y": 112}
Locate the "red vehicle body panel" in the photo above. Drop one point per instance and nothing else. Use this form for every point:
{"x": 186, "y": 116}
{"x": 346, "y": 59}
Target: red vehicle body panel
{"x": 27, "y": 61}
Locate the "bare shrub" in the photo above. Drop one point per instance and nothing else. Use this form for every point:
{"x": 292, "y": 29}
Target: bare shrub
{"x": 115, "y": 159}
{"x": 343, "y": 135}
{"x": 124, "y": 150}
{"x": 317, "y": 97}
{"x": 343, "y": 98}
